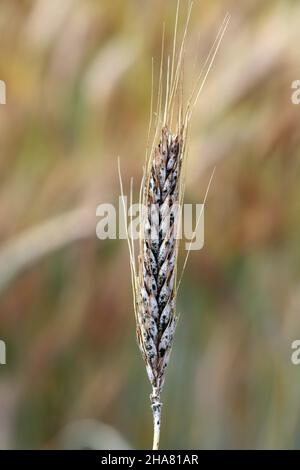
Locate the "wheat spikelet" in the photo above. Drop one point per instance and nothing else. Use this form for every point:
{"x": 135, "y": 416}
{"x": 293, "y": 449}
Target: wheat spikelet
{"x": 161, "y": 196}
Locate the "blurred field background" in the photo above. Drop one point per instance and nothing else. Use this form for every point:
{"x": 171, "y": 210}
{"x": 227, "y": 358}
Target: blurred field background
{"x": 78, "y": 77}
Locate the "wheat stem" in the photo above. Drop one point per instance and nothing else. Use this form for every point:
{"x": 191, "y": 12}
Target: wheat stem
{"x": 156, "y": 410}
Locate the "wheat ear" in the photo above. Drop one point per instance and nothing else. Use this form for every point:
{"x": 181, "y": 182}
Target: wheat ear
{"x": 157, "y": 265}
{"x": 161, "y": 196}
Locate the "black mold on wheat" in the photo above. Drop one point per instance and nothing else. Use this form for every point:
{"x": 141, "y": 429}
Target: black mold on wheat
{"x": 161, "y": 196}
{"x": 157, "y": 318}
{"x": 156, "y": 313}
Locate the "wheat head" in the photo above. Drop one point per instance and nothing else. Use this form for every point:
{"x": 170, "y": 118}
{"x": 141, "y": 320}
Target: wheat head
{"x": 156, "y": 318}
{"x": 154, "y": 280}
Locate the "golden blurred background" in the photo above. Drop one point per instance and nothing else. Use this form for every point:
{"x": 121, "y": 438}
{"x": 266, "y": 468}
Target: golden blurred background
{"x": 78, "y": 78}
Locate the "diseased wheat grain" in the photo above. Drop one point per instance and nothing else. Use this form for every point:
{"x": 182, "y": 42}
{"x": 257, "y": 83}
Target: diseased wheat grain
{"x": 162, "y": 189}
{"x": 156, "y": 318}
